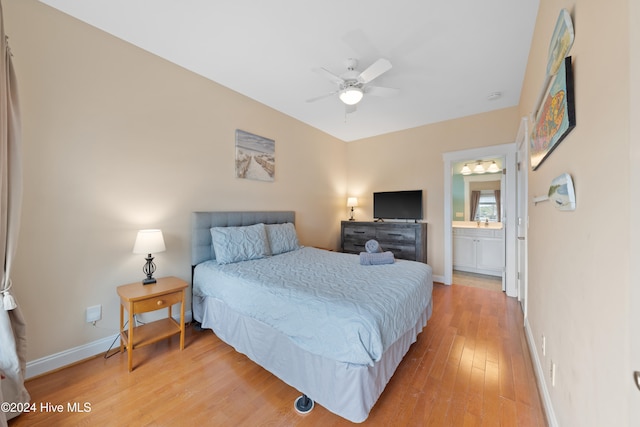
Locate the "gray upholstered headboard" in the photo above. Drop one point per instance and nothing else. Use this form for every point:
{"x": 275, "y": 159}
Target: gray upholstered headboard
{"x": 201, "y": 223}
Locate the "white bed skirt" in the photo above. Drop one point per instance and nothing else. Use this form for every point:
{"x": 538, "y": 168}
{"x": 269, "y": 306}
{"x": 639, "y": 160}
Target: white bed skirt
{"x": 347, "y": 390}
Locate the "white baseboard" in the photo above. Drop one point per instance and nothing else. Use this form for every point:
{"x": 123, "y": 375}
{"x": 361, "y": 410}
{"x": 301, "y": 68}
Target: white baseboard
{"x": 74, "y": 355}
{"x": 439, "y": 279}
{"x": 68, "y": 357}
{"x": 542, "y": 381}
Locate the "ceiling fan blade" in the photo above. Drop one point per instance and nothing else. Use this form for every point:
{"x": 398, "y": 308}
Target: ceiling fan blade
{"x": 329, "y": 75}
{"x": 381, "y": 91}
{"x": 317, "y": 98}
{"x": 376, "y": 69}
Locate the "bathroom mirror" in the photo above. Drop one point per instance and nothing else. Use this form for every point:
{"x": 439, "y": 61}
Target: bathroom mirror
{"x": 477, "y": 196}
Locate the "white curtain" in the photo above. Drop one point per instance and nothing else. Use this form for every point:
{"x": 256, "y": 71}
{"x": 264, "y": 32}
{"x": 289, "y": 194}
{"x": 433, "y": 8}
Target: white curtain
{"x": 12, "y": 326}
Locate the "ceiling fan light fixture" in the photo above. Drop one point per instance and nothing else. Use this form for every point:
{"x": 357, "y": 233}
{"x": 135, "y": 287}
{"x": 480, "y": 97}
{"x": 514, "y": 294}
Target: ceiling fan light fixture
{"x": 351, "y": 95}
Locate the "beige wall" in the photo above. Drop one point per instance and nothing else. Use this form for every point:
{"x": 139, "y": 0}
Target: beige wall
{"x": 116, "y": 139}
{"x": 579, "y": 261}
{"x": 412, "y": 159}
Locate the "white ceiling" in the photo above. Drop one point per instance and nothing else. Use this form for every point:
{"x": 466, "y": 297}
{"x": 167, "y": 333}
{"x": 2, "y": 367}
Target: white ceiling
{"x": 447, "y": 56}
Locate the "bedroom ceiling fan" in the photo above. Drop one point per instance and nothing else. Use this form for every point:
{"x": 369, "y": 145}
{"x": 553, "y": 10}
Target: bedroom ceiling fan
{"x": 353, "y": 84}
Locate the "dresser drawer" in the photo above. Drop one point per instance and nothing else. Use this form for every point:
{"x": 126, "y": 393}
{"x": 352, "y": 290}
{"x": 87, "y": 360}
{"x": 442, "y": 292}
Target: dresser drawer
{"x": 355, "y": 247}
{"x": 395, "y": 235}
{"x": 157, "y": 303}
{"x": 401, "y": 251}
{"x": 358, "y": 233}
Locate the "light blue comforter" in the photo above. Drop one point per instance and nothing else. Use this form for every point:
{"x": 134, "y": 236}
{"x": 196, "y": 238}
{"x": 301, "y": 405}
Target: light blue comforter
{"x": 326, "y": 302}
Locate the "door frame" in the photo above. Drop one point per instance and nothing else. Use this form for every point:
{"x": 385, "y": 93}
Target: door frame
{"x": 509, "y": 153}
{"x": 522, "y": 214}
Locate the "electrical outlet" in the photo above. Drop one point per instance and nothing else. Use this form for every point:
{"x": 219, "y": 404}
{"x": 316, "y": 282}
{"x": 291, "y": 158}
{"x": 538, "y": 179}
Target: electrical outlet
{"x": 94, "y": 313}
{"x": 544, "y": 345}
{"x": 552, "y": 374}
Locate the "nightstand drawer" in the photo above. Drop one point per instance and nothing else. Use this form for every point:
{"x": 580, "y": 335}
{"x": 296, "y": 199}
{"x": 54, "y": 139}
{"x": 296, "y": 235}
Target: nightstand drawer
{"x": 156, "y": 303}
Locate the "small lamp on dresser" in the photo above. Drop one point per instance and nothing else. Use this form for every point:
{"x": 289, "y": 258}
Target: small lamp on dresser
{"x": 351, "y": 203}
{"x": 149, "y": 242}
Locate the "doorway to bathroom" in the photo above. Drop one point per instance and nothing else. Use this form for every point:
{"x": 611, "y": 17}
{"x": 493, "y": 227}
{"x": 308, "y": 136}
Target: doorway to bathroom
{"x": 493, "y": 251}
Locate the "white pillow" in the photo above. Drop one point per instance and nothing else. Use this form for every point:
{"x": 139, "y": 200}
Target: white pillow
{"x": 282, "y": 238}
{"x": 235, "y": 244}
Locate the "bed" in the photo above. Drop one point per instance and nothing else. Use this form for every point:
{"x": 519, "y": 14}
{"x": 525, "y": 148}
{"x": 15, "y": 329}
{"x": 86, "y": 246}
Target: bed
{"x": 318, "y": 320}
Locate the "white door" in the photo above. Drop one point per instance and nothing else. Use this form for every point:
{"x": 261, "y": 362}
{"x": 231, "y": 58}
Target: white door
{"x": 522, "y": 212}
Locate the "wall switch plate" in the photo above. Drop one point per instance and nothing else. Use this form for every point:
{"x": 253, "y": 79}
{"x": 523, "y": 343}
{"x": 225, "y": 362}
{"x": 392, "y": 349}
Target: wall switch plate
{"x": 94, "y": 313}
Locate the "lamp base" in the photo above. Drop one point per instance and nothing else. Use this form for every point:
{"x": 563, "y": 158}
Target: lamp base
{"x": 148, "y": 269}
{"x": 149, "y": 281}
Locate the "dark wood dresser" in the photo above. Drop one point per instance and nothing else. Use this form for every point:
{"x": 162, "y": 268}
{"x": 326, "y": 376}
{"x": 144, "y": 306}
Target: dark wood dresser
{"x": 405, "y": 239}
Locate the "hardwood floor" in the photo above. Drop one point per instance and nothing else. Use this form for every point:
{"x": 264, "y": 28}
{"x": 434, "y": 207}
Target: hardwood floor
{"x": 483, "y": 281}
{"x": 469, "y": 367}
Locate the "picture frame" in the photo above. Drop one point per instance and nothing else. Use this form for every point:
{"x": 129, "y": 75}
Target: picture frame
{"x": 556, "y": 116}
{"x": 561, "y": 42}
{"x": 255, "y": 157}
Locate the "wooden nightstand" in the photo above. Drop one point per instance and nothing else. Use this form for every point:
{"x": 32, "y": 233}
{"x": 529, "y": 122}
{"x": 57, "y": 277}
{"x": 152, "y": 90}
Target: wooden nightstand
{"x": 137, "y": 298}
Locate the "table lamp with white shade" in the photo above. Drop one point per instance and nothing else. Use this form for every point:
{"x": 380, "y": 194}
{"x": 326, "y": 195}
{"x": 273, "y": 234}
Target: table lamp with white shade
{"x": 149, "y": 242}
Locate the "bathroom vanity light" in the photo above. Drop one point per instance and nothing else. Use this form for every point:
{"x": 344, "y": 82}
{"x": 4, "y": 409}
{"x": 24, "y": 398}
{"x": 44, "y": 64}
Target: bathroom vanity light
{"x": 479, "y": 168}
{"x": 493, "y": 168}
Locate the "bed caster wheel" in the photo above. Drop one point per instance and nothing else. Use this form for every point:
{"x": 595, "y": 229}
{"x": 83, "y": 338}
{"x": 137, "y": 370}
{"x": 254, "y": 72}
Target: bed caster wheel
{"x": 303, "y": 404}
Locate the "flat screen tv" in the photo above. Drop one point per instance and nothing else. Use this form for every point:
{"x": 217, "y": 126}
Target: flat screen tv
{"x": 398, "y": 205}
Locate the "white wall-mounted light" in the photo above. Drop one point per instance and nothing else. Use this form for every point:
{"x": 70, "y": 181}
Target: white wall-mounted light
{"x": 479, "y": 168}
{"x": 351, "y": 95}
{"x": 493, "y": 168}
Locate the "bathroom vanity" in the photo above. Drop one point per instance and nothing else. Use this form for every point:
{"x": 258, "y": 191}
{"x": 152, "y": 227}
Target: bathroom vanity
{"x": 478, "y": 248}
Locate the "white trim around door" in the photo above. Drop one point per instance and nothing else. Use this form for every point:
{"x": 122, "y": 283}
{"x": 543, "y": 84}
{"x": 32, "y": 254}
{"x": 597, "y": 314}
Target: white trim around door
{"x": 508, "y": 152}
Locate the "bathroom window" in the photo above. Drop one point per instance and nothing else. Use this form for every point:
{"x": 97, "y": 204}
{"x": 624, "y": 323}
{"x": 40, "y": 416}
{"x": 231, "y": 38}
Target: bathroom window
{"x": 487, "y": 207}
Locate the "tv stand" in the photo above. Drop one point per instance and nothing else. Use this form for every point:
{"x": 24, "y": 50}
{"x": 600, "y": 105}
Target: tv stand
{"x": 405, "y": 239}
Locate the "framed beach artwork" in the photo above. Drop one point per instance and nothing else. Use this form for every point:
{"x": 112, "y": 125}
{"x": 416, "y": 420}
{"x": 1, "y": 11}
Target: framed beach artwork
{"x": 561, "y": 42}
{"x": 556, "y": 117}
{"x": 255, "y": 156}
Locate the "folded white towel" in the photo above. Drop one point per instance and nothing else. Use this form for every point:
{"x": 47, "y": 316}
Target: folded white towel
{"x": 377, "y": 258}
{"x": 372, "y": 246}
